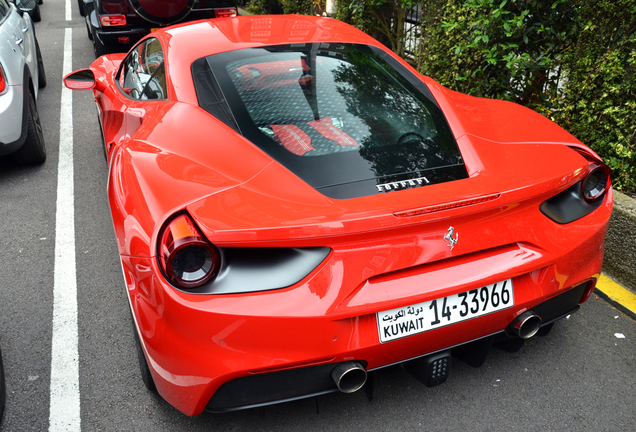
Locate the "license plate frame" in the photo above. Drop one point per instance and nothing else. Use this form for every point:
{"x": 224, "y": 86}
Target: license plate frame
{"x": 443, "y": 311}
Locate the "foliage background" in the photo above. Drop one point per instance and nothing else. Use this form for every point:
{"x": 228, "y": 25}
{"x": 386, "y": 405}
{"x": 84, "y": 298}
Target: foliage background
{"x": 574, "y": 61}
{"x": 571, "y": 60}
{"x": 599, "y": 101}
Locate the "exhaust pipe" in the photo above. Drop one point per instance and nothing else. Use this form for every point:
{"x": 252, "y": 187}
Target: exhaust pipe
{"x": 349, "y": 376}
{"x": 526, "y": 325}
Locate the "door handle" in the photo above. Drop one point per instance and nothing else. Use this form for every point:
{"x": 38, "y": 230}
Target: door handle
{"x": 25, "y": 29}
{"x": 19, "y": 41}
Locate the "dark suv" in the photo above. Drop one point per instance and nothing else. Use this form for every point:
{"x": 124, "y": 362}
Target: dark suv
{"x": 116, "y": 25}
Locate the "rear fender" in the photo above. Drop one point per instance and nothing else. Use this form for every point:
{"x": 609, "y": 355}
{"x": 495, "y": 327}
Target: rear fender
{"x": 9, "y": 148}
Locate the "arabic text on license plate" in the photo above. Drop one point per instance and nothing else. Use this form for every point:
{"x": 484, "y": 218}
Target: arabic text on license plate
{"x": 421, "y": 317}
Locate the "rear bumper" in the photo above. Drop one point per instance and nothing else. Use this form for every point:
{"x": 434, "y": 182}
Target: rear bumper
{"x": 114, "y": 39}
{"x": 274, "y": 387}
{"x": 232, "y": 351}
{"x": 224, "y": 353}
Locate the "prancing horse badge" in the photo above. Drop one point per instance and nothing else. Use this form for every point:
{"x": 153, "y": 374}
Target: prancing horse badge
{"x": 451, "y": 242}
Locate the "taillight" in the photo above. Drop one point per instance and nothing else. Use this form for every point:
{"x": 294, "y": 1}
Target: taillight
{"x": 3, "y": 83}
{"x": 187, "y": 258}
{"x": 584, "y": 196}
{"x": 113, "y": 20}
{"x": 596, "y": 183}
{"x": 599, "y": 176}
{"x": 225, "y": 13}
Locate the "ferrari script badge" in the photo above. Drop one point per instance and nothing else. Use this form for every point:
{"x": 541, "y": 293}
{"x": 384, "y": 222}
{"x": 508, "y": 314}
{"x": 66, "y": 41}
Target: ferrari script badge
{"x": 448, "y": 238}
{"x": 402, "y": 184}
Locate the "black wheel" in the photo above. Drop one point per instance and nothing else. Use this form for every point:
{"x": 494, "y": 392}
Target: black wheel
{"x": 410, "y": 138}
{"x": 99, "y": 48}
{"x": 179, "y": 9}
{"x": 41, "y": 72}
{"x": 33, "y": 150}
{"x": 101, "y": 134}
{"x": 35, "y": 15}
{"x": 146, "y": 376}
{"x": 82, "y": 10}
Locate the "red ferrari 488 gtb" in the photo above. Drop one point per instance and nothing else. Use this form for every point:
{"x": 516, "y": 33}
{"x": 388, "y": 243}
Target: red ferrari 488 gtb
{"x": 296, "y": 208}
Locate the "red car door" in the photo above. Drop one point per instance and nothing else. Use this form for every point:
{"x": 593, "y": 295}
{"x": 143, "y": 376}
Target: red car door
{"x": 140, "y": 79}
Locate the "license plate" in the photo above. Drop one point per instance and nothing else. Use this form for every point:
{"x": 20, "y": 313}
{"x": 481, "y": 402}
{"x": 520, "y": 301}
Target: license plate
{"x": 429, "y": 315}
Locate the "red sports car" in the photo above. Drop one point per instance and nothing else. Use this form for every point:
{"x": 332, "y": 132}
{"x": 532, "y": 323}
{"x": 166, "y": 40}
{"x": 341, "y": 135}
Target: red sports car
{"x": 296, "y": 207}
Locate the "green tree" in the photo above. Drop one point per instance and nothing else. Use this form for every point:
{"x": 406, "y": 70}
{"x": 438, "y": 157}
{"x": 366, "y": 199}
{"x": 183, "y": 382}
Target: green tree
{"x": 574, "y": 61}
{"x": 501, "y": 49}
{"x": 301, "y": 7}
{"x": 599, "y": 99}
{"x": 383, "y": 19}
{"x": 263, "y": 7}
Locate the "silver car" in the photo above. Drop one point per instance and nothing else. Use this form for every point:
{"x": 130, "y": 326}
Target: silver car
{"x": 21, "y": 75}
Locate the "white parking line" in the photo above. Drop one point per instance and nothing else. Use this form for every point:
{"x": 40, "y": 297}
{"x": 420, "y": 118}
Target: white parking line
{"x": 64, "y": 414}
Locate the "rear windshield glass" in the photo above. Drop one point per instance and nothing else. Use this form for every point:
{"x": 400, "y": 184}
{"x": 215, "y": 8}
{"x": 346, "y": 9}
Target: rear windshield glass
{"x": 346, "y": 118}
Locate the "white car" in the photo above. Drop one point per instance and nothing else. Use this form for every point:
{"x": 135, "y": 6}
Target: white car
{"x": 21, "y": 75}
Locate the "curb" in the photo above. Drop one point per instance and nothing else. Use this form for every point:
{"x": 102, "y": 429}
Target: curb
{"x": 620, "y": 243}
{"x": 616, "y": 295}
{"x": 617, "y": 284}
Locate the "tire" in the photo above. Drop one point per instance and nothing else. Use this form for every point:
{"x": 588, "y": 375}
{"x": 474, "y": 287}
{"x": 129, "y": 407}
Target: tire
{"x": 88, "y": 30}
{"x": 35, "y": 15}
{"x": 33, "y": 151}
{"x": 146, "y": 376}
{"x": 41, "y": 71}
{"x": 179, "y": 10}
{"x": 82, "y": 10}
{"x": 99, "y": 48}
{"x": 101, "y": 134}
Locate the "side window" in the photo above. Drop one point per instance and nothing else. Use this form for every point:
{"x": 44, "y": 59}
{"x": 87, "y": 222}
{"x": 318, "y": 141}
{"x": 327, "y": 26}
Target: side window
{"x": 4, "y": 10}
{"x": 143, "y": 74}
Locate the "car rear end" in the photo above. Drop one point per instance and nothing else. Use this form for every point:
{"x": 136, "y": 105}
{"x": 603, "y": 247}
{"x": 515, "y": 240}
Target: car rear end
{"x": 117, "y": 25}
{"x": 377, "y": 220}
{"x": 372, "y": 239}
{"x": 379, "y": 297}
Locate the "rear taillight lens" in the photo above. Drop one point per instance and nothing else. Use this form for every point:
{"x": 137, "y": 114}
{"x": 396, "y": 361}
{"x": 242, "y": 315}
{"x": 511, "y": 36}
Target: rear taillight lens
{"x": 3, "y": 83}
{"x": 599, "y": 176}
{"x": 113, "y": 20}
{"x": 584, "y": 196}
{"x": 596, "y": 183}
{"x": 225, "y": 13}
{"x": 187, "y": 258}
